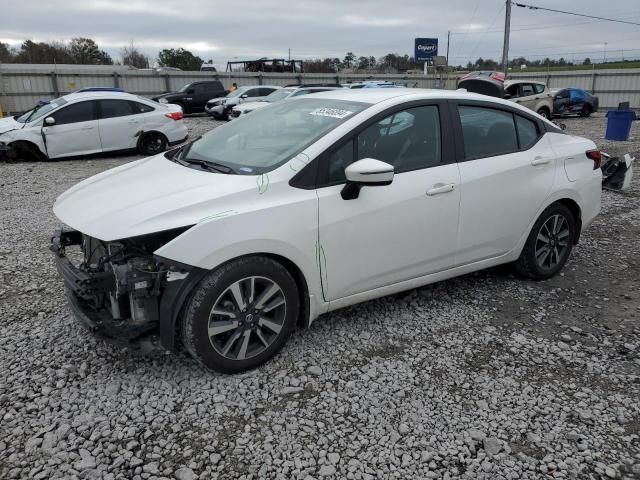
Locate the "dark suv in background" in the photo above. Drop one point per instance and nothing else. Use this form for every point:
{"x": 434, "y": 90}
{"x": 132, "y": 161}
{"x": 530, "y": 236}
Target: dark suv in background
{"x": 193, "y": 96}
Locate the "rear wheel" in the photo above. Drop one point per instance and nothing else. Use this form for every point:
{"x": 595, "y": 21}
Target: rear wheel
{"x": 152, "y": 143}
{"x": 241, "y": 314}
{"x": 586, "y": 111}
{"x": 549, "y": 244}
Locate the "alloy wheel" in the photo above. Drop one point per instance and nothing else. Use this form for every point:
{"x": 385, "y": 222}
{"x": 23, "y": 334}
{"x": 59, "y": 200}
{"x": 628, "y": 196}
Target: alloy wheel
{"x": 247, "y": 317}
{"x": 552, "y": 241}
{"x": 153, "y": 143}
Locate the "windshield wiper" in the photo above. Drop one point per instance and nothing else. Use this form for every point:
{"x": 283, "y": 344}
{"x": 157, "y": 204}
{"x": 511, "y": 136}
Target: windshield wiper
{"x": 211, "y": 166}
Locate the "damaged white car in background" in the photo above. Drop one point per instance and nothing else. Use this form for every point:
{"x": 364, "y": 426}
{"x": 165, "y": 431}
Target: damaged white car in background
{"x": 91, "y": 122}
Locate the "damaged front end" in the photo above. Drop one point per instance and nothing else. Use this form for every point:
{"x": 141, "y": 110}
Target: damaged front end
{"x": 122, "y": 291}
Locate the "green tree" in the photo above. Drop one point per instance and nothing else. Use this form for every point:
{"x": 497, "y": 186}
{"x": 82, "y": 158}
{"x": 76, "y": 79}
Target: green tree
{"x": 363, "y": 63}
{"x": 32, "y": 52}
{"x": 349, "y": 60}
{"x": 6, "y": 55}
{"x": 179, "y": 58}
{"x": 85, "y": 51}
{"x": 587, "y": 61}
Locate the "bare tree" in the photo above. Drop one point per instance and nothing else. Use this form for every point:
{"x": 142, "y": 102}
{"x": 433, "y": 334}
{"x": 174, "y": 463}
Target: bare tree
{"x": 133, "y": 57}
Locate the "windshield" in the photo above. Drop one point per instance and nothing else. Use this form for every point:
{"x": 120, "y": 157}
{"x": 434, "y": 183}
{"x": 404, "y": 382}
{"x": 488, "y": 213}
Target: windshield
{"x": 184, "y": 88}
{"x": 237, "y": 93}
{"x": 41, "y": 110}
{"x": 272, "y": 135}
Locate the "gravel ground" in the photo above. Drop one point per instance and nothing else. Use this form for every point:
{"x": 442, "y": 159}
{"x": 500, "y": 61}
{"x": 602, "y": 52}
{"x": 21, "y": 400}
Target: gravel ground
{"x": 484, "y": 376}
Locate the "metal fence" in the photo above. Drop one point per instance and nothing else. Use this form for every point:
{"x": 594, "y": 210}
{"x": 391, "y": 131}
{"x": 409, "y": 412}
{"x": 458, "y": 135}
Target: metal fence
{"x": 22, "y": 86}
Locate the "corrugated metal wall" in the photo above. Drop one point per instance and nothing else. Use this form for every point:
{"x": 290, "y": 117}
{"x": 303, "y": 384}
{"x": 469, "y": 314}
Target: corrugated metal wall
{"x": 21, "y": 86}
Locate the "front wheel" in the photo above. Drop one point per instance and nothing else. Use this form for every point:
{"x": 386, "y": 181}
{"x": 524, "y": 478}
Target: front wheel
{"x": 241, "y": 314}
{"x": 543, "y": 112}
{"x": 549, "y": 244}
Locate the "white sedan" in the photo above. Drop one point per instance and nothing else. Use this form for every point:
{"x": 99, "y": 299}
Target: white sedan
{"x": 314, "y": 204}
{"x": 85, "y": 123}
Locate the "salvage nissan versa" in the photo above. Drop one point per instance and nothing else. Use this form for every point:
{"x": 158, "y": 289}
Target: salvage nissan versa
{"x": 225, "y": 244}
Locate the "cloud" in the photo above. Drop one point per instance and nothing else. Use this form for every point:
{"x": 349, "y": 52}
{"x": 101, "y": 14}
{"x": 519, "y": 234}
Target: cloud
{"x": 358, "y": 21}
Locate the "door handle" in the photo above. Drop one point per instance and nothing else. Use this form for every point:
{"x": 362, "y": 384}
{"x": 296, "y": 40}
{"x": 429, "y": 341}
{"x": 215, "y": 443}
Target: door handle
{"x": 439, "y": 188}
{"x": 540, "y": 161}
{"x": 87, "y": 128}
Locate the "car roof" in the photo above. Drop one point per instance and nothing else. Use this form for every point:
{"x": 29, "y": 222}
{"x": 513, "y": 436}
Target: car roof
{"x": 512, "y": 82}
{"x": 74, "y": 97}
{"x": 379, "y": 95}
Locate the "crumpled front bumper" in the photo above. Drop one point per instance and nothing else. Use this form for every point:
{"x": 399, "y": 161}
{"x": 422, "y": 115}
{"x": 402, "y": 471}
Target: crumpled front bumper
{"x": 88, "y": 294}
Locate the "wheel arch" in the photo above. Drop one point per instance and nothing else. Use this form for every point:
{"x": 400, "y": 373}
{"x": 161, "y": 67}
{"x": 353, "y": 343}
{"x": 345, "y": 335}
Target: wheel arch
{"x": 173, "y": 302}
{"x": 577, "y": 215}
{"x": 563, "y": 198}
{"x": 21, "y": 144}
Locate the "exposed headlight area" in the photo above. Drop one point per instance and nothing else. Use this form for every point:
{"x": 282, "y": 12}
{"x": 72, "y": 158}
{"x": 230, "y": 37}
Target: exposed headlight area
{"x": 116, "y": 288}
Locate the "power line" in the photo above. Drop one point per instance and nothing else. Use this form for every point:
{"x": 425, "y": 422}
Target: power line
{"x": 486, "y": 31}
{"x": 533, "y": 7}
{"x": 469, "y": 27}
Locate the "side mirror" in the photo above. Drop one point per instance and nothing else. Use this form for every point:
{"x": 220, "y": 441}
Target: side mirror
{"x": 244, "y": 95}
{"x": 366, "y": 172}
{"x": 50, "y": 121}
{"x": 191, "y": 91}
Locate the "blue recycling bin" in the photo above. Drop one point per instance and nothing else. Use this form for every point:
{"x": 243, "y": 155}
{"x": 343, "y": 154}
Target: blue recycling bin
{"x": 619, "y": 124}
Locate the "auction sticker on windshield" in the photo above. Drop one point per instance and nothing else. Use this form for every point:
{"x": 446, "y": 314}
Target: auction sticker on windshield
{"x": 331, "y": 112}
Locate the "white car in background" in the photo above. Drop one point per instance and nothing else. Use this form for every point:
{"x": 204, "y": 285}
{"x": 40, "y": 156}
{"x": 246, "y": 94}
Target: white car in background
{"x": 315, "y": 204}
{"x": 92, "y": 122}
{"x": 278, "y": 95}
{"x": 219, "y": 108}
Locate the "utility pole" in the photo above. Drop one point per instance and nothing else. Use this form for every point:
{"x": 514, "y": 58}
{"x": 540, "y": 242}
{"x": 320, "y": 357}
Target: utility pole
{"x": 289, "y": 54}
{"x": 505, "y": 47}
{"x": 448, "y": 38}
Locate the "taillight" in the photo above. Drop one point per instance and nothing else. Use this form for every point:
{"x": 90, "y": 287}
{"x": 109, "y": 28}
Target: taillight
{"x": 596, "y": 156}
{"x": 174, "y": 115}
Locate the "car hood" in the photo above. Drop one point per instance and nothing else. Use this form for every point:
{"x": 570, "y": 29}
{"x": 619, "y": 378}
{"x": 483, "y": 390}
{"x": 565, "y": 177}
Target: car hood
{"x": 167, "y": 95}
{"x": 147, "y": 196}
{"x": 251, "y": 106}
{"x": 8, "y": 124}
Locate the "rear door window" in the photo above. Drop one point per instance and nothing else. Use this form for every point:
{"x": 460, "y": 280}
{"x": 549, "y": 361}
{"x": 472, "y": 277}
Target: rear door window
{"x": 526, "y": 89}
{"x": 141, "y": 107}
{"x": 487, "y": 132}
{"x": 75, "y": 113}
{"x": 115, "y": 108}
{"x": 527, "y": 132}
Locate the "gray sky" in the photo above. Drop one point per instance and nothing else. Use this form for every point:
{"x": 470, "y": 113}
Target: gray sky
{"x": 241, "y": 29}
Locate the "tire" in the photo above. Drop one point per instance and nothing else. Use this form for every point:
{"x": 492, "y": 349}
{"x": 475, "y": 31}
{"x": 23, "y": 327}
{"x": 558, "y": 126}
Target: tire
{"x": 152, "y": 143}
{"x": 553, "y": 253}
{"x": 586, "y": 111}
{"x": 543, "y": 112}
{"x": 25, "y": 151}
{"x": 269, "y": 321}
